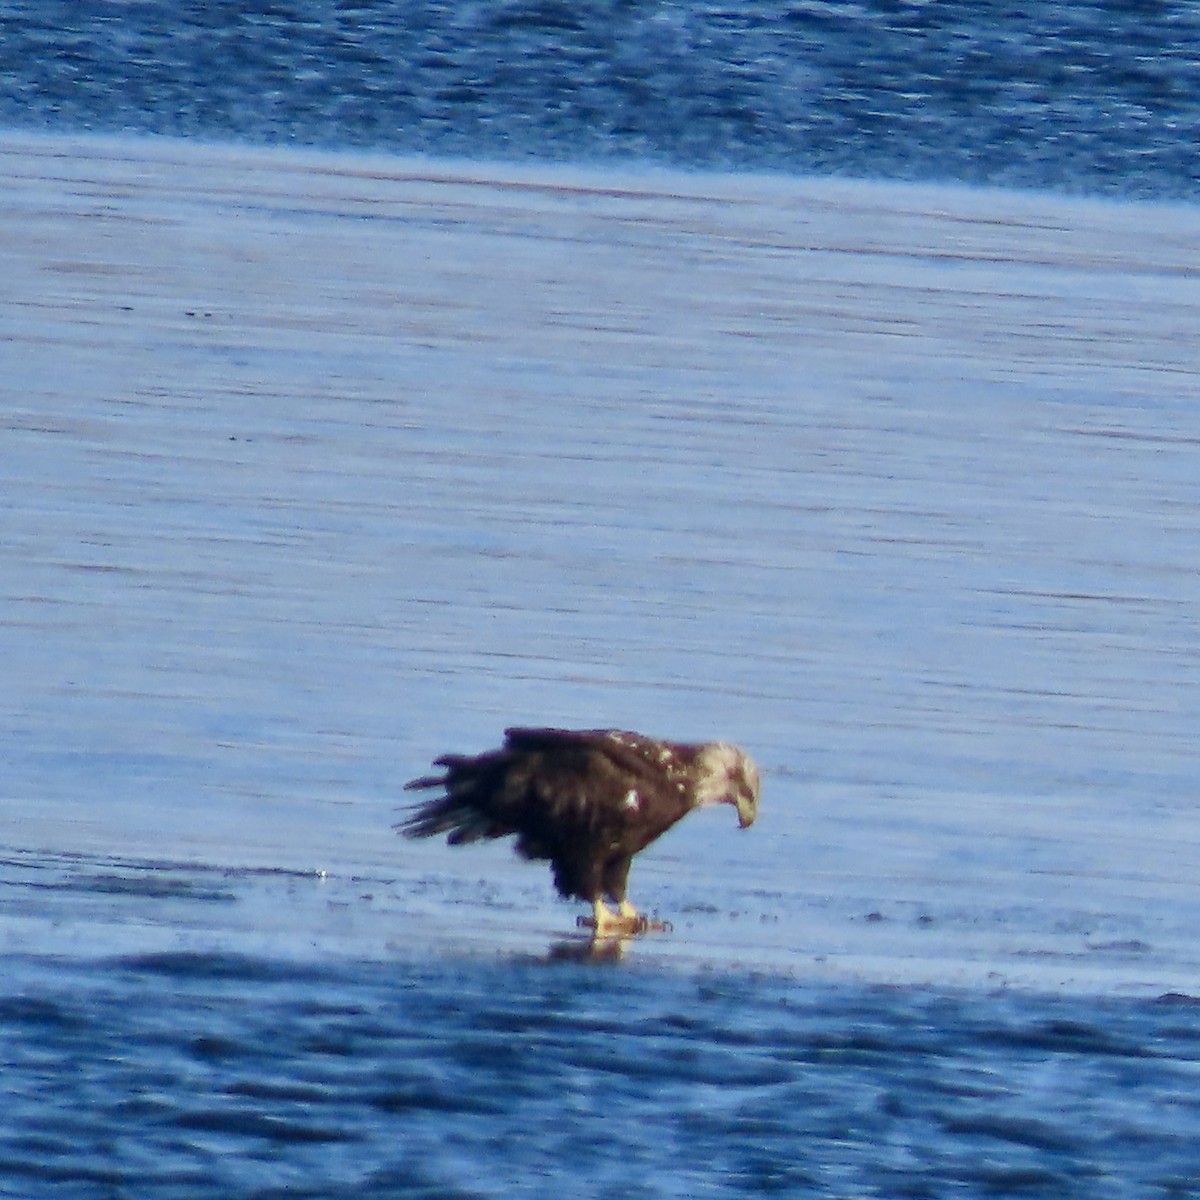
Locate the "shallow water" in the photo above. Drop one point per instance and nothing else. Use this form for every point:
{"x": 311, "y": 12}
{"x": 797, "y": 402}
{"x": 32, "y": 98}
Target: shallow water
{"x": 321, "y": 465}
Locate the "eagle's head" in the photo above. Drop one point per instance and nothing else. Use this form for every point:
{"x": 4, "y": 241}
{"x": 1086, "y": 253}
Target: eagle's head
{"x": 725, "y": 774}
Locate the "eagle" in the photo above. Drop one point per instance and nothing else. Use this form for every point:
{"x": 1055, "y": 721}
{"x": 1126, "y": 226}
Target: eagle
{"x": 587, "y": 800}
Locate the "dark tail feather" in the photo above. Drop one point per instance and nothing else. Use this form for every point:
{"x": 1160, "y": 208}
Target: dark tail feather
{"x": 447, "y": 815}
{"x": 426, "y": 781}
{"x": 462, "y": 809}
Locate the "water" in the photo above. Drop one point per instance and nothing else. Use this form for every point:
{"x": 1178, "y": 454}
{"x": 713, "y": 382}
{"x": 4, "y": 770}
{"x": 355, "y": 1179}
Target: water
{"x": 186, "y": 1075}
{"x": 1094, "y": 97}
{"x": 318, "y": 464}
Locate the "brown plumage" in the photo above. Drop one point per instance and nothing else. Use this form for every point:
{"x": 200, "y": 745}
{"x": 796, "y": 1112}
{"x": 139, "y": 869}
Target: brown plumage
{"x": 587, "y": 800}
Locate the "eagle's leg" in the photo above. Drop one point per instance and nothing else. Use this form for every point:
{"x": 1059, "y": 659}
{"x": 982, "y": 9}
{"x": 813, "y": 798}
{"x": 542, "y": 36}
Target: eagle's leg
{"x": 604, "y": 920}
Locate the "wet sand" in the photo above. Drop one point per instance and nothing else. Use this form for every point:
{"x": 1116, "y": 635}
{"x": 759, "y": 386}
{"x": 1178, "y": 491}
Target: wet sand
{"x": 319, "y": 465}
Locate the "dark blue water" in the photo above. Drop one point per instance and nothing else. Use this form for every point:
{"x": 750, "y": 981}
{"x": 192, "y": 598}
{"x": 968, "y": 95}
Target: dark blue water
{"x": 1092, "y": 97}
{"x": 193, "y": 1076}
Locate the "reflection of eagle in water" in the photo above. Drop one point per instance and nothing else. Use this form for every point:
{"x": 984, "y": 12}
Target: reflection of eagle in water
{"x": 587, "y": 800}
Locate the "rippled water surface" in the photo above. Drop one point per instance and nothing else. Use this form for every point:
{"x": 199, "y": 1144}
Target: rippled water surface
{"x": 319, "y": 465}
{"x": 1087, "y": 96}
{"x": 191, "y": 1075}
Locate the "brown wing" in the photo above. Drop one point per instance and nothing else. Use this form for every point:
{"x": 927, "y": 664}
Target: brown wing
{"x": 643, "y": 760}
{"x": 551, "y": 787}
{"x": 587, "y": 800}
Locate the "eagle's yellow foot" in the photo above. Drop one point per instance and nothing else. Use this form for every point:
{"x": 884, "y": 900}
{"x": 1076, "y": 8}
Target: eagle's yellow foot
{"x": 605, "y": 923}
{"x": 625, "y": 921}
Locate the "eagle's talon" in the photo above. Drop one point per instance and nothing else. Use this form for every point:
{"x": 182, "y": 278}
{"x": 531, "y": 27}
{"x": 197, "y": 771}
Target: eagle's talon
{"x": 604, "y": 923}
{"x": 620, "y": 925}
{"x": 648, "y": 925}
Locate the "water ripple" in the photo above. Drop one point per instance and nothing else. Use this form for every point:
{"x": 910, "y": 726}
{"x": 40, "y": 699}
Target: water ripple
{"x": 1089, "y": 96}
{"x": 221, "y": 1075}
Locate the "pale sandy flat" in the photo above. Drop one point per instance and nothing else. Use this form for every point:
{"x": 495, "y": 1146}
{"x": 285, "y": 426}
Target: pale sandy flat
{"x": 318, "y": 465}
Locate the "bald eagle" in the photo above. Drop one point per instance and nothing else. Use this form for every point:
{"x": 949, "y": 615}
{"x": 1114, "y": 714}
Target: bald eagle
{"x": 587, "y": 800}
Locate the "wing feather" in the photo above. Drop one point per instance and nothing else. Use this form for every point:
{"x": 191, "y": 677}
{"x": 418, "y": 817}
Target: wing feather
{"x": 585, "y": 799}
{"x": 643, "y": 761}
